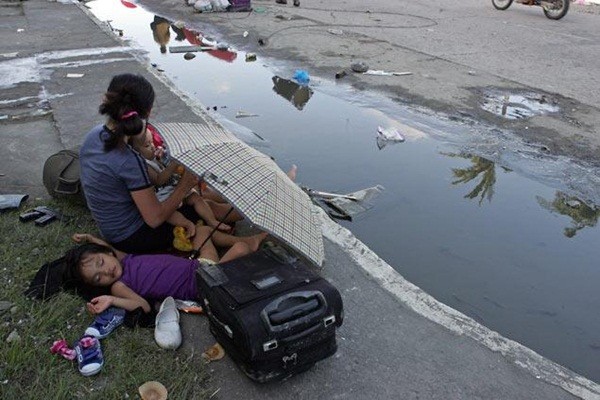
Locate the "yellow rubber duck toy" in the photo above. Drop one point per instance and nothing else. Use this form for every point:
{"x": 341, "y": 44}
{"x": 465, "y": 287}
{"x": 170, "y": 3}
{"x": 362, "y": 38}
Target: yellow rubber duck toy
{"x": 181, "y": 242}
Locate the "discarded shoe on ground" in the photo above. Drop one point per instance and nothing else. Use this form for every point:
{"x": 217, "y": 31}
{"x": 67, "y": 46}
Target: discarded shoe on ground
{"x": 106, "y": 322}
{"x": 167, "y": 332}
{"x": 89, "y": 356}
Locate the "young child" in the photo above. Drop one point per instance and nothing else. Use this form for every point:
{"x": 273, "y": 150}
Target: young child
{"x": 163, "y": 178}
{"x": 134, "y": 278}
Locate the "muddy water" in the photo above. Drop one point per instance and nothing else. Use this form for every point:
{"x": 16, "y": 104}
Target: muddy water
{"x": 482, "y": 224}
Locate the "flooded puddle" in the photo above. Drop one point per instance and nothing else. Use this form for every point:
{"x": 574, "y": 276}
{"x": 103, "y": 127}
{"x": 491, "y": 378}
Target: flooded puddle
{"x": 482, "y": 222}
{"x": 518, "y": 106}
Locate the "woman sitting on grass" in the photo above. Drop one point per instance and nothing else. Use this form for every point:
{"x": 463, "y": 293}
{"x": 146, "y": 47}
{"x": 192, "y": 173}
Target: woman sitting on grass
{"x": 134, "y": 278}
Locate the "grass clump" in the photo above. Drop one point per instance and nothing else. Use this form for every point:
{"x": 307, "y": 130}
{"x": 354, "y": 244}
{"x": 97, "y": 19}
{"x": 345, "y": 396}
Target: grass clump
{"x": 27, "y": 368}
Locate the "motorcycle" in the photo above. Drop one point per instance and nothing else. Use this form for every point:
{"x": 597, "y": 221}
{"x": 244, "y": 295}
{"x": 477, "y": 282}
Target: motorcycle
{"x": 553, "y": 9}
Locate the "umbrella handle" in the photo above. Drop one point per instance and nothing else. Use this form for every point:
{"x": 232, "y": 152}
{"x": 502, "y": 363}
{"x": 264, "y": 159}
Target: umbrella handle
{"x": 196, "y": 252}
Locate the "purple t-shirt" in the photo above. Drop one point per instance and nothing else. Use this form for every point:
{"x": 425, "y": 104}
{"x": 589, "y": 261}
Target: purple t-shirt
{"x": 156, "y": 276}
{"x": 107, "y": 179}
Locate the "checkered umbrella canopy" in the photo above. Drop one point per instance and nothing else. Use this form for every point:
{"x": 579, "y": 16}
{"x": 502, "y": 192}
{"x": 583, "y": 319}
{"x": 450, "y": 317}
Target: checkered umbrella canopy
{"x": 250, "y": 181}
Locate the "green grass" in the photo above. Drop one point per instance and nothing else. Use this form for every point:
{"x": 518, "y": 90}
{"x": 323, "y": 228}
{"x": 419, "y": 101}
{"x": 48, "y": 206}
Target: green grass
{"x": 29, "y": 371}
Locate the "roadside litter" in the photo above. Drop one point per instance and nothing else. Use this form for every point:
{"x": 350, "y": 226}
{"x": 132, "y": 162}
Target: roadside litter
{"x": 245, "y": 114}
{"x": 359, "y": 67}
{"x": 387, "y": 136}
{"x": 250, "y": 57}
{"x": 379, "y": 72}
{"x": 153, "y": 390}
{"x": 345, "y": 206}
{"x": 301, "y": 77}
{"x": 213, "y": 353}
{"x": 340, "y": 74}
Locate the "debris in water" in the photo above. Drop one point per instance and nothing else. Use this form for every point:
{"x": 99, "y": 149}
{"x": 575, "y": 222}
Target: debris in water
{"x": 250, "y": 57}
{"x": 388, "y": 135}
{"x": 335, "y": 31}
{"x": 75, "y": 75}
{"x": 245, "y": 34}
{"x": 245, "y": 114}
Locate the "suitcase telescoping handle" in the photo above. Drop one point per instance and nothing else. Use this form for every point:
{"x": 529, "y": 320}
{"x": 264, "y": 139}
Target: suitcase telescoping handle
{"x": 293, "y": 309}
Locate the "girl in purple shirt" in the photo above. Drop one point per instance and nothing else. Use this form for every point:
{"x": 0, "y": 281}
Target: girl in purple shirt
{"x": 134, "y": 278}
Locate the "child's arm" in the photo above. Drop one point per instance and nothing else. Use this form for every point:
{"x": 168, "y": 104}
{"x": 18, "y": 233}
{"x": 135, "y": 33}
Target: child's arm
{"x": 178, "y": 219}
{"x": 87, "y": 237}
{"x": 162, "y": 177}
{"x": 122, "y": 297}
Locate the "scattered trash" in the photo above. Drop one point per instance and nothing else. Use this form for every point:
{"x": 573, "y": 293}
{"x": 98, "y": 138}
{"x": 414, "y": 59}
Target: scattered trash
{"x": 340, "y": 74}
{"x": 518, "y": 105}
{"x": 359, "y": 67}
{"x": 75, "y": 75}
{"x": 245, "y": 34}
{"x": 222, "y": 46}
{"x": 472, "y": 73}
{"x": 250, "y": 57}
{"x": 262, "y": 41}
{"x": 189, "y": 56}
{"x": 379, "y": 72}
{"x": 301, "y": 77}
{"x": 203, "y": 6}
{"x": 20, "y": 30}
{"x": 153, "y": 390}
{"x": 9, "y": 55}
{"x": 245, "y": 114}
{"x": 346, "y": 206}
{"x": 386, "y": 136}
{"x": 3, "y": 116}
{"x": 335, "y": 31}
{"x": 13, "y": 337}
{"x": 9, "y": 201}
{"x": 179, "y": 24}
{"x": 327, "y": 195}
{"x": 574, "y": 203}
{"x": 213, "y": 353}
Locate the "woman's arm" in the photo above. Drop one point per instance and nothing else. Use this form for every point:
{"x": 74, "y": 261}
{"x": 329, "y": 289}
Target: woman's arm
{"x": 122, "y": 297}
{"x": 163, "y": 177}
{"x": 88, "y": 237}
{"x": 155, "y": 212}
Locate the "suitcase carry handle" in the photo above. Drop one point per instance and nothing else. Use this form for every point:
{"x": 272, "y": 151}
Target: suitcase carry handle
{"x": 273, "y": 344}
{"x": 294, "y": 309}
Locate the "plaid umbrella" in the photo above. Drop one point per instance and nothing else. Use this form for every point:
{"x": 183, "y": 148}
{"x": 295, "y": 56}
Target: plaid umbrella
{"x": 250, "y": 181}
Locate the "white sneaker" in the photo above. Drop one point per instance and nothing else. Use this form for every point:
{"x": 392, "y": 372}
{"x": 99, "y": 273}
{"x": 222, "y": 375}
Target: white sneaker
{"x": 167, "y": 332}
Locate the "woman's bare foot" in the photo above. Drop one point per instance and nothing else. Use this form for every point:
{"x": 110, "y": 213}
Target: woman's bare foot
{"x": 292, "y": 173}
{"x": 254, "y": 241}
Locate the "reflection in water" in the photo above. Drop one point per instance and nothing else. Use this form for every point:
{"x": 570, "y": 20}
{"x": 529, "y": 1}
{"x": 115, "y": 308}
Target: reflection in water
{"x": 161, "y": 30}
{"x": 296, "y": 94}
{"x": 580, "y": 213}
{"x": 485, "y": 188}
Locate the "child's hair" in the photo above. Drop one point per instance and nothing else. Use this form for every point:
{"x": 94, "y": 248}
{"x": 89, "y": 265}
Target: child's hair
{"x": 74, "y": 257}
{"x": 127, "y": 102}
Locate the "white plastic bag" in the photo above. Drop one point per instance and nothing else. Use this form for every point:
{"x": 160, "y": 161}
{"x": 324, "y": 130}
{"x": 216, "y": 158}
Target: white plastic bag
{"x": 203, "y": 6}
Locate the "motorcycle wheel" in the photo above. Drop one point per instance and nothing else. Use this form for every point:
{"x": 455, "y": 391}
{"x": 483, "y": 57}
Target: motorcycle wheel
{"x": 555, "y": 9}
{"x": 501, "y": 4}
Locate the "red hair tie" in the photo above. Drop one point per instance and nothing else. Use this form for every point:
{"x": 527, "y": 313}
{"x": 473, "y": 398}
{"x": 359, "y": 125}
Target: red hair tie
{"x": 129, "y": 115}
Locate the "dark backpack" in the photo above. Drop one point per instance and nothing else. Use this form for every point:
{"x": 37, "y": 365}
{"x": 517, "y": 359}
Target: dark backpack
{"x": 61, "y": 174}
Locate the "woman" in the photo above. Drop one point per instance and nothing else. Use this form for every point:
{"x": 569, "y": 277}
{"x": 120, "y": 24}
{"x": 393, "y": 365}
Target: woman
{"x": 115, "y": 178}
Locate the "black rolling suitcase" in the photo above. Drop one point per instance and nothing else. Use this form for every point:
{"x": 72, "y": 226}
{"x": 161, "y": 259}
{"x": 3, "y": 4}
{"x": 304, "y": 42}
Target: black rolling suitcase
{"x": 273, "y": 318}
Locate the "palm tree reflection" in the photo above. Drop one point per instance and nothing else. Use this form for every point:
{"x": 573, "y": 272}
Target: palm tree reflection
{"x": 480, "y": 167}
{"x": 580, "y": 213}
